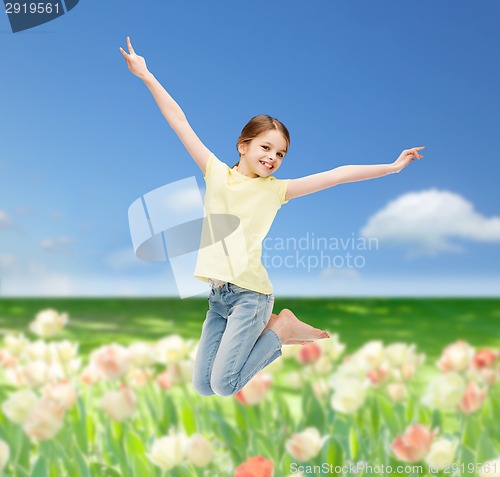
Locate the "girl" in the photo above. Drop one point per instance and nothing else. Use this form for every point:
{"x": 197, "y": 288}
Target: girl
{"x": 240, "y": 335}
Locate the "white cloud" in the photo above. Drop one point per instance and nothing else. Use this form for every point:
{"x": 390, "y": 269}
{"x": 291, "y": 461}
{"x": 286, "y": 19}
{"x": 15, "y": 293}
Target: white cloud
{"x": 429, "y": 220}
{"x": 57, "y": 243}
{"x": 4, "y": 220}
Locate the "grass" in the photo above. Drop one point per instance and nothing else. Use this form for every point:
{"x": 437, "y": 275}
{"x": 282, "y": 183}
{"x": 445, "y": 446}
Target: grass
{"x": 430, "y": 323}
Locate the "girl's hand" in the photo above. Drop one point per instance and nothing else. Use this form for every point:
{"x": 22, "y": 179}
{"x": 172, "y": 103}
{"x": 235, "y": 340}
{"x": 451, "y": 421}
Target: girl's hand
{"x": 136, "y": 64}
{"x": 406, "y": 156}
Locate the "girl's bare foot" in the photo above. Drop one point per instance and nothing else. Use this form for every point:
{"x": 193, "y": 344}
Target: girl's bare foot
{"x": 272, "y": 322}
{"x": 291, "y": 330}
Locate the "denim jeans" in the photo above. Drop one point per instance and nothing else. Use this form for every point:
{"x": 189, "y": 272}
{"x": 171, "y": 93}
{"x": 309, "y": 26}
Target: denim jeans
{"x": 231, "y": 349}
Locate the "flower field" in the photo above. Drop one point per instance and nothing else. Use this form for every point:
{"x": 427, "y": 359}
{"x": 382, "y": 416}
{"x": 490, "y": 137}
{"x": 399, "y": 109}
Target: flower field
{"x": 102, "y": 387}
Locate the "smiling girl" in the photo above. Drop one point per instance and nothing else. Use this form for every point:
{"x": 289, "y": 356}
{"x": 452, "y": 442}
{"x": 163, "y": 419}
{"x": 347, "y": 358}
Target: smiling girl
{"x": 240, "y": 334}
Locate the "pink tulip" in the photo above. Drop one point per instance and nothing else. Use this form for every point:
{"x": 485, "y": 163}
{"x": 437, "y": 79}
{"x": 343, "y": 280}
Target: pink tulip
{"x": 111, "y": 361}
{"x": 63, "y": 393}
{"x": 377, "y": 375}
{"x": 473, "y": 398}
{"x": 255, "y": 467}
{"x": 456, "y": 357}
{"x": 119, "y": 405}
{"x": 484, "y": 358}
{"x": 6, "y": 359}
{"x": 45, "y": 421}
{"x": 164, "y": 380}
{"x": 408, "y": 371}
{"x": 415, "y": 443}
{"x": 309, "y": 353}
{"x": 90, "y": 375}
{"x": 397, "y": 391}
{"x": 305, "y": 445}
{"x": 255, "y": 390}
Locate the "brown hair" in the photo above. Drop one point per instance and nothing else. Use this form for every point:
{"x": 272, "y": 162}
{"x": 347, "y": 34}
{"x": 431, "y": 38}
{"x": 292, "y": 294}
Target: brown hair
{"x": 259, "y": 125}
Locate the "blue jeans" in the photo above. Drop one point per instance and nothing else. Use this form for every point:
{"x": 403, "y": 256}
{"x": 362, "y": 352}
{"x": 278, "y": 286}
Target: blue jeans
{"x": 231, "y": 350}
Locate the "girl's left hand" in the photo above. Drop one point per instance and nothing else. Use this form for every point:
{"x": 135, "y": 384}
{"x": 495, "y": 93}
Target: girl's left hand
{"x": 406, "y": 156}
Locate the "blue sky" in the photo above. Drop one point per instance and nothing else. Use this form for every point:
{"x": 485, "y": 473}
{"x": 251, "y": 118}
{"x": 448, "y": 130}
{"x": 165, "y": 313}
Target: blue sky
{"x": 354, "y": 82}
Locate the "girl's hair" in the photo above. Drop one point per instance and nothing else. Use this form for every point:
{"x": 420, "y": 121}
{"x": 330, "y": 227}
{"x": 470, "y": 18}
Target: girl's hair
{"x": 259, "y": 125}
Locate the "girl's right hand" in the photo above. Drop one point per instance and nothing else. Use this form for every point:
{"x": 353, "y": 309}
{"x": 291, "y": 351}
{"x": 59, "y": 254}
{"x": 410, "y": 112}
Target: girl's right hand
{"x": 136, "y": 64}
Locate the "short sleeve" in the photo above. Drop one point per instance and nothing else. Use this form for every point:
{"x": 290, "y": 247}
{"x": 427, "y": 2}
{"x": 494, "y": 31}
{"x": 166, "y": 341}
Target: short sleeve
{"x": 214, "y": 166}
{"x": 280, "y": 187}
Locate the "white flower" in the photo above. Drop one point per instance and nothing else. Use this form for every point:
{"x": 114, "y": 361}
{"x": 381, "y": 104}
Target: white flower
{"x": 256, "y": 390}
{"x": 353, "y": 368}
{"x": 63, "y": 393}
{"x": 171, "y": 349}
{"x": 445, "y": 391}
{"x": 372, "y": 353}
{"x": 398, "y": 353}
{"x": 168, "y": 451}
{"x": 45, "y": 421}
{"x": 349, "y": 395}
{"x": 305, "y": 445}
{"x": 119, "y": 405}
{"x": 199, "y": 451}
{"x": 141, "y": 354}
{"x": 139, "y": 377}
{"x": 38, "y": 351}
{"x": 35, "y": 373}
{"x": 16, "y": 344}
{"x": 323, "y": 365}
{"x": 456, "y": 357}
{"x": 397, "y": 391}
{"x": 48, "y": 323}
{"x": 441, "y": 454}
{"x": 332, "y": 348}
{"x": 64, "y": 351}
{"x": 15, "y": 376}
{"x": 19, "y": 404}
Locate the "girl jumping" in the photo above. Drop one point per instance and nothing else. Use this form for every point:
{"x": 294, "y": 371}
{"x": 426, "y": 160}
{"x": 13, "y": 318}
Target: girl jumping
{"x": 240, "y": 335}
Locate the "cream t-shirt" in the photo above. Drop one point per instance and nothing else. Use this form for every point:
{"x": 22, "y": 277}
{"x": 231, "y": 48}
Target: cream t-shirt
{"x": 239, "y": 212}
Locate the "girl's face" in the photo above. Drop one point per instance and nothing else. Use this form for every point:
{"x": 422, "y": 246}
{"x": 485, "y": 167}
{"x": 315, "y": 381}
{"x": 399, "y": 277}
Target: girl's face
{"x": 262, "y": 156}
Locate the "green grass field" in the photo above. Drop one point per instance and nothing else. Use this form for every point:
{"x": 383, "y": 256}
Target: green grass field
{"x": 429, "y": 323}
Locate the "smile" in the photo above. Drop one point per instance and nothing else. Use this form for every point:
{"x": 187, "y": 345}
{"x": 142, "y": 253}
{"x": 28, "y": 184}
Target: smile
{"x": 269, "y": 166}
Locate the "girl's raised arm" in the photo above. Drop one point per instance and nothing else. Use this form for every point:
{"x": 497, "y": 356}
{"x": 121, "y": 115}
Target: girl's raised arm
{"x": 340, "y": 175}
{"x": 169, "y": 108}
